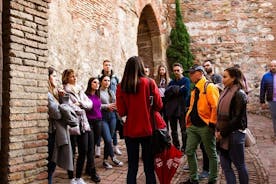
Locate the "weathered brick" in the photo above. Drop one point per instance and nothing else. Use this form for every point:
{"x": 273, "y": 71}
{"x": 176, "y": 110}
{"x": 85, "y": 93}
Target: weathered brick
{"x": 17, "y": 32}
{"x": 22, "y": 102}
{"x": 23, "y": 41}
{"x": 21, "y": 54}
{"x": 22, "y": 15}
{"x": 16, "y": 132}
{"x": 16, "y": 160}
{"x": 16, "y": 146}
{"x": 36, "y": 13}
{"x": 36, "y": 38}
{"x": 22, "y": 124}
{"x": 15, "y": 60}
{"x": 23, "y": 110}
{"x": 26, "y": 3}
{"x": 17, "y": 46}
{"x": 36, "y": 51}
{"x": 28, "y": 62}
{"x": 16, "y": 117}
{"x": 16, "y": 6}
{"x": 22, "y": 81}
{"x": 42, "y": 59}
{"x": 30, "y": 24}
{"x": 16, "y": 20}
{"x": 35, "y": 144}
{"x": 23, "y": 28}
{"x": 40, "y": 21}
{"x": 40, "y": 3}
{"x": 36, "y": 116}
{"x": 16, "y": 176}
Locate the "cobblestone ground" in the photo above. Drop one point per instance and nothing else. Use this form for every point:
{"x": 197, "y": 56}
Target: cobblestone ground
{"x": 260, "y": 160}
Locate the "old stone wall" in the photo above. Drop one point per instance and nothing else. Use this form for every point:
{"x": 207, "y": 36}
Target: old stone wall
{"x": 24, "y": 119}
{"x": 84, "y": 33}
{"x": 232, "y": 32}
{"x": 80, "y": 34}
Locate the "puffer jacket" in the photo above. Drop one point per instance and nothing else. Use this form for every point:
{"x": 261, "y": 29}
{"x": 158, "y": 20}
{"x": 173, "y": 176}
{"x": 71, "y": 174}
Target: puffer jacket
{"x": 207, "y": 103}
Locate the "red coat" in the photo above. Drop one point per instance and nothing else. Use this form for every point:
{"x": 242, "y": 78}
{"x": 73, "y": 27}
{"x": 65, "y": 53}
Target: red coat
{"x": 136, "y": 108}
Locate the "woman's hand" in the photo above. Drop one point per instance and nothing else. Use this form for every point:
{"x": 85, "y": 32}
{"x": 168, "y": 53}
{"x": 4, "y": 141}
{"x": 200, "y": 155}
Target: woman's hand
{"x": 112, "y": 107}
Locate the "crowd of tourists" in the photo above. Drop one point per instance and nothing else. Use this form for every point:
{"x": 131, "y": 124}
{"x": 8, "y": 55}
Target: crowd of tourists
{"x": 210, "y": 110}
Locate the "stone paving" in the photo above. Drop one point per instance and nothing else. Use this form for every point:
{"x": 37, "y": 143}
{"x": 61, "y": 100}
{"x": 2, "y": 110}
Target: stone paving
{"x": 260, "y": 160}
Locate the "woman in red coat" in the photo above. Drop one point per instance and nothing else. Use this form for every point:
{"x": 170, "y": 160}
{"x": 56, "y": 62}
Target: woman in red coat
{"x": 133, "y": 102}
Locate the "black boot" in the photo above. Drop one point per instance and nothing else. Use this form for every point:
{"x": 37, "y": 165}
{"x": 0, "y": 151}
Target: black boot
{"x": 94, "y": 176}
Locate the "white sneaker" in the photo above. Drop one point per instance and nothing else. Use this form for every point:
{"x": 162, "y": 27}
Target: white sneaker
{"x": 97, "y": 151}
{"x": 80, "y": 181}
{"x": 117, "y": 162}
{"x": 107, "y": 165}
{"x": 117, "y": 150}
{"x": 73, "y": 181}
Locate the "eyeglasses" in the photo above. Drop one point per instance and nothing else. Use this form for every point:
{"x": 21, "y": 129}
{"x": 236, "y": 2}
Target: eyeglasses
{"x": 176, "y": 70}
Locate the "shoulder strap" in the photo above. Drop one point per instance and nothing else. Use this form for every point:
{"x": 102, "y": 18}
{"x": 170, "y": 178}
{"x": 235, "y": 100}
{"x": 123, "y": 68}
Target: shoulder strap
{"x": 151, "y": 99}
{"x": 205, "y": 86}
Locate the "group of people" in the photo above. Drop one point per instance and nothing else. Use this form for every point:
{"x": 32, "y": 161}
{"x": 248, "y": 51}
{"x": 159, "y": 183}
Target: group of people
{"x": 79, "y": 118}
{"x": 211, "y": 112}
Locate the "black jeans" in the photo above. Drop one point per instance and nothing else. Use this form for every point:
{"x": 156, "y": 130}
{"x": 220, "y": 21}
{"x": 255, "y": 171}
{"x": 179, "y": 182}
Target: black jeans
{"x": 174, "y": 132}
{"x": 51, "y": 165}
{"x": 133, "y": 145}
{"x": 82, "y": 140}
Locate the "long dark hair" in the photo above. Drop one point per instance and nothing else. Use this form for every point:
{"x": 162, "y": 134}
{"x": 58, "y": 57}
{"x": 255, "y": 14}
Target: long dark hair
{"x": 89, "y": 87}
{"x": 158, "y": 77}
{"x": 236, "y": 73}
{"x": 134, "y": 69}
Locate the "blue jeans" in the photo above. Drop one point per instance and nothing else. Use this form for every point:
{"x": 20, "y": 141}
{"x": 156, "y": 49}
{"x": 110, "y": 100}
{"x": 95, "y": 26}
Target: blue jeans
{"x": 272, "y": 106}
{"x": 106, "y": 134}
{"x": 132, "y": 145}
{"x": 111, "y": 119}
{"x": 235, "y": 154}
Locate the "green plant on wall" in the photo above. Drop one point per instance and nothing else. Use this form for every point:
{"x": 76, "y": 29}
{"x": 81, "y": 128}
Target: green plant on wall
{"x": 179, "y": 49}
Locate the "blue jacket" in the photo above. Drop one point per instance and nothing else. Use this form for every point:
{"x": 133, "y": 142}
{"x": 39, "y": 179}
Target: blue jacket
{"x": 266, "y": 87}
{"x": 177, "y": 96}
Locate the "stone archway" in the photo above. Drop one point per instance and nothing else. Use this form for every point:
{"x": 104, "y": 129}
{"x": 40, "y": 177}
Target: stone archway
{"x": 149, "y": 39}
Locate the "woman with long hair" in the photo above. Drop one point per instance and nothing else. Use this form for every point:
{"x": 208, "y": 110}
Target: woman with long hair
{"x": 94, "y": 117}
{"x": 132, "y": 94}
{"x": 59, "y": 145}
{"x": 162, "y": 80}
{"x": 108, "y": 109}
{"x": 231, "y": 123}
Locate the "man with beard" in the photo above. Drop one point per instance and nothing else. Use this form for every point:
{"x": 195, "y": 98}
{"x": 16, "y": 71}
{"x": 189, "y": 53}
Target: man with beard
{"x": 215, "y": 78}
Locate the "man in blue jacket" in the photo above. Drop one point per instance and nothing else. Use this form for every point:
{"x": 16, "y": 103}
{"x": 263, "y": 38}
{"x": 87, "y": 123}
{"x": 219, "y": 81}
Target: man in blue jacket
{"x": 268, "y": 90}
{"x": 177, "y": 100}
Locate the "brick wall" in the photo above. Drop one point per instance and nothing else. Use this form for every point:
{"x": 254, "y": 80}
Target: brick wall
{"x": 232, "y": 32}
{"x": 25, "y": 125}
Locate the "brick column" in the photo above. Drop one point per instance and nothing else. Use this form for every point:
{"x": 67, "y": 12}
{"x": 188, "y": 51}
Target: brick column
{"x": 24, "y": 120}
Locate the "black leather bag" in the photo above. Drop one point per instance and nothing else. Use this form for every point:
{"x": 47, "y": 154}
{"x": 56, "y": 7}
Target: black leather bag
{"x": 161, "y": 140}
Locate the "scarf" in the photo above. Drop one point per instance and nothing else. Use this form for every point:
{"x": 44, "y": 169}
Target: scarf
{"x": 223, "y": 112}
{"x": 225, "y": 101}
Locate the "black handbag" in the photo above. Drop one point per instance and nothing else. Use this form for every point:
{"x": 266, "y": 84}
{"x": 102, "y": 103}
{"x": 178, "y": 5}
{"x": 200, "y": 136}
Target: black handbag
{"x": 160, "y": 139}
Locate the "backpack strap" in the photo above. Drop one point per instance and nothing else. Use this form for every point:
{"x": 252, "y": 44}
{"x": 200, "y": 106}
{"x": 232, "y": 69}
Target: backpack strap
{"x": 205, "y": 86}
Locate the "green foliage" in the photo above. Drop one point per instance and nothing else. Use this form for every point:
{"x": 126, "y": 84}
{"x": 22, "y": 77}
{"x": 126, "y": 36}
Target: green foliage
{"x": 179, "y": 49}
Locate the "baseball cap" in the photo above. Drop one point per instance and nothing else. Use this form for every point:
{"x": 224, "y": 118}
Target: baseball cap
{"x": 195, "y": 68}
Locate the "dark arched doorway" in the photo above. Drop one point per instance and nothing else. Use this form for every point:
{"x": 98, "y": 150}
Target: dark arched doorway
{"x": 148, "y": 39}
